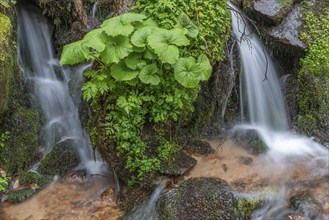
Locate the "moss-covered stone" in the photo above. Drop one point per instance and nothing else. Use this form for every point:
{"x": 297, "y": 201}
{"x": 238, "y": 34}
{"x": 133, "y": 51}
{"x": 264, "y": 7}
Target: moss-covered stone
{"x": 305, "y": 205}
{"x": 20, "y": 195}
{"x": 198, "y": 198}
{"x": 62, "y": 159}
{"x": 22, "y": 147}
{"x": 177, "y": 164}
{"x": 29, "y": 178}
{"x": 245, "y": 207}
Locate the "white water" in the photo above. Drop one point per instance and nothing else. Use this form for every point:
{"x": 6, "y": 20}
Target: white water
{"x": 57, "y": 89}
{"x": 263, "y": 110}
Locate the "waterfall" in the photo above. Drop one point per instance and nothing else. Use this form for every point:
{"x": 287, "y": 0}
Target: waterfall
{"x": 58, "y": 90}
{"x": 261, "y": 97}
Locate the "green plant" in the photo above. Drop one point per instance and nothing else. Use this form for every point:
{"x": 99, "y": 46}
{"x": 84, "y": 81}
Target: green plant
{"x": 7, "y": 3}
{"x": 211, "y": 18}
{"x": 4, "y": 180}
{"x": 143, "y": 76}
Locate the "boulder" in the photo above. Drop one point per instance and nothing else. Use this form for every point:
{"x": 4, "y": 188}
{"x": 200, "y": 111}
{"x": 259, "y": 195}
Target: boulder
{"x": 198, "y": 198}
{"x": 305, "y": 205}
{"x": 177, "y": 164}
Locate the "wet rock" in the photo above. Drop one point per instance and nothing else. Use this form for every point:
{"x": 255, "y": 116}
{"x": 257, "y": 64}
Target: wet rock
{"x": 198, "y": 198}
{"x": 20, "y": 195}
{"x": 197, "y": 147}
{"x": 288, "y": 31}
{"x": 61, "y": 160}
{"x": 177, "y": 164}
{"x": 272, "y": 11}
{"x": 246, "y": 206}
{"x": 251, "y": 140}
{"x": 305, "y": 205}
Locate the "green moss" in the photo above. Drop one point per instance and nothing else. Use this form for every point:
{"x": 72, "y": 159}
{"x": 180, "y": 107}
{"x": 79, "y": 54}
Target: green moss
{"x": 313, "y": 77}
{"x": 7, "y": 59}
{"x": 28, "y": 178}
{"x": 245, "y": 207}
{"x": 21, "y": 150}
{"x": 20, "y": 195}
{"x": 60, "y": 161}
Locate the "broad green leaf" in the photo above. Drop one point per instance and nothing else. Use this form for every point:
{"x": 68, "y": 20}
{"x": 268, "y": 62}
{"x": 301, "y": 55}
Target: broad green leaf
{"x": 74, "y": 53}
{"x": 122, "y": 73}
{"x": 131, "y": 17}
{"x": 132, "y": 60}
{"x": 114, "y": 27}
{"x": 95, "y": 39}
{"x": 185, "y": 22}
{"x": 163, "y": 43}
{"x": 187, "y": 72}
{"x": 148, "y": 54}
{"x": 139, "y": 38}
{"x": 205, "y": 67}
{"x": 133, "y": 82}
{"x": 148, "y": 75}
{"x": 150, "y": 23}
{"x": 116, "y": 49}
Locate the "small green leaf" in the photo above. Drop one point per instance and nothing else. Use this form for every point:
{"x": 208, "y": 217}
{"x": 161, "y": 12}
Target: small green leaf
{"x": 74, "y": 53}
{"x": 185, "y": 22}
{"x": 122, "y": 73}
{"x": 89, "y": 90}
{"x": 148, "y": 75}
{"x": 116, "y": 49}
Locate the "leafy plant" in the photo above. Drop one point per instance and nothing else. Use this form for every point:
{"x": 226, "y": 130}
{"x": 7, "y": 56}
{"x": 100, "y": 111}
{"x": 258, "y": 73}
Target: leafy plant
{"x": 4, "y": 180}
{"x": 143, "y": 75}
{"x": 7, "y": 3}
{"x": 207, "y": 22}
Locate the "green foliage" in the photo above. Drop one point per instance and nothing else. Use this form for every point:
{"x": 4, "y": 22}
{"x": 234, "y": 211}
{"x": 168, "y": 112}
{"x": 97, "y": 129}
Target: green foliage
{"x": 210, "y": 27}
{"x": 7, "y": 3}
{"x": 20, "y": 195}
{"x": 5, "y": 33}
{"x": 142, "y": 77}
{"x": 4, "y": 180}
{"x": 245, "y": 207}
{"x": 313, "y": 77}
{"x": 29, "y": 178}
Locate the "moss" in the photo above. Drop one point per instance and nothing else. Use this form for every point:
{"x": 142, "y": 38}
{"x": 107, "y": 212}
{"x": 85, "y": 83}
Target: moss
{"x": 21, "y": 150}
{"x": 245, "y": 207}
{"x": 29, "y": 178}
{"x": 60, "y": 161}
{"x": 7, "y": 59}
{"x": 20, "y": 195}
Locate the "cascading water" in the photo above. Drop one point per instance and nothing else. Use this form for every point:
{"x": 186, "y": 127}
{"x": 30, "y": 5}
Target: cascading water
{"x": 262, "y": 105}
{"x": 59, "y": 101}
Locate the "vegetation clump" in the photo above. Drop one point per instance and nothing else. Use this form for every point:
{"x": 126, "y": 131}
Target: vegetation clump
{"x": 143, "y": 76}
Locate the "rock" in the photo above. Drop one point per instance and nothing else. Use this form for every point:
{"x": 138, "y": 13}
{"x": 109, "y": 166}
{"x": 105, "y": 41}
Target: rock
{"x": 20, "y": 195}
{"x": 254, "y": 143}
{"x": 61, "y": 160}
{"x": 288, "y": 31}
{"x": 177, "y": 164}
{"x": 245, "y": 207}
{"x": 197, "y": 147}
{"x": 198, "y": 198}
{"x": 272, "y": 11}
{"x": 305, "y": 205}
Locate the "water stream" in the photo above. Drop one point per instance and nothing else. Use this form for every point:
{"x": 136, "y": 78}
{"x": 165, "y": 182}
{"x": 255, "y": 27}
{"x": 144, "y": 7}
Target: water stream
{"x": 58, "y": 89}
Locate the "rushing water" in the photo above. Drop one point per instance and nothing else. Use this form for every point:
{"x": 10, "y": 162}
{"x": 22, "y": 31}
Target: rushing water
{"x": 57, "y": 89}
{"x": 263, "y": 110}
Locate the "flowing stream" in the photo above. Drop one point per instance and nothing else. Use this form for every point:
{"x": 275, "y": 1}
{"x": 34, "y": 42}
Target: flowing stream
{"x": 263, "y": 110}
{"x": 58, "y": 89}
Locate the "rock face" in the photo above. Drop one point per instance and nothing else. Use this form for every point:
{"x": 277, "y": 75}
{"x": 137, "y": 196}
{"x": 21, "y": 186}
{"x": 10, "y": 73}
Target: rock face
{"x": 198, "y": 198}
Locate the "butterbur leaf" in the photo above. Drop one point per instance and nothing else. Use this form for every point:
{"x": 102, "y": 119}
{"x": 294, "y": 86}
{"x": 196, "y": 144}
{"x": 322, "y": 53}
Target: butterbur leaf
{"x": 74, "y": 53}
{"x": 149, "y": 55}
{"x": 163, "y": 43}
{"x": 132, "y": 60}
{"x": 131, "y": 17}
{"x": 150, "y": 23}
{"x": 185, "y": 22}
{"x": 139, "y": 38}
{"x": 95, "y": 39}
{"x": 148, "y": 75}
{"x": 187, "y": 73}
{"x": 205, "y": 67}
{"x": 122, "y": 73}
{"x": 116, "y": 49}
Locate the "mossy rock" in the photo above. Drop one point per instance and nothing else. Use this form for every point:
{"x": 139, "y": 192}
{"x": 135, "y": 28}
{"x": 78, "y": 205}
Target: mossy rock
{"x": 246, "y": 206}
{"x": 197, "y": 147}
{"x": 29, "y": 178}
{"x": 305, "y": 205}
{"x": 62, "y": 159}
{"x": 21, "y": 150}
{"x": 254, "y": 144}
{"x": 20, "y": 195}
{"x": 198, "y": 198}
{"x": 177, "y": 164}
